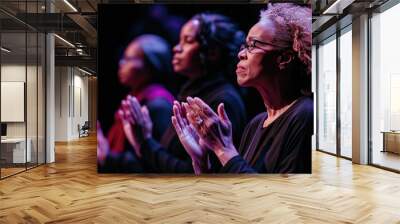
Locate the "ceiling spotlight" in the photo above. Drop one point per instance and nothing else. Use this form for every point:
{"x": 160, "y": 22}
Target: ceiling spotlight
{"x": 65, "y": 41}
{"x": 5, "y": 50}
{"x": 84, "y": 71}
{"x": 337, "y": 7}
{"x": 70, "y": 5}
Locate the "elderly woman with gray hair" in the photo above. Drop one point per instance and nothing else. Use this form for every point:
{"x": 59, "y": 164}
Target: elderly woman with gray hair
{"x": 276, "y": 60}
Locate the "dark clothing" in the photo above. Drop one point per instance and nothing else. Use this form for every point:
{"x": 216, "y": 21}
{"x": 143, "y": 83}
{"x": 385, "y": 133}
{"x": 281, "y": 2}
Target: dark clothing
{"x": 120, "y": 162}
{"x": 169, "y": 156}
{"x": 282, "y": 147}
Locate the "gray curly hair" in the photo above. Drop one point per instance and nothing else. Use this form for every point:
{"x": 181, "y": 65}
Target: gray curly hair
{"x": 293, "y": 29}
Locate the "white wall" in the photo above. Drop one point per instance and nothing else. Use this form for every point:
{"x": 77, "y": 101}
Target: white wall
{"x": 80, "y": 101}
{"x": 33, "y": 126}
{"x": 16, "y": 72}
{"x": 71, "y": 94}
{"x": 61, "y": 103}
{"x": 12, "y": 73}
{"x": 92, "y": 100}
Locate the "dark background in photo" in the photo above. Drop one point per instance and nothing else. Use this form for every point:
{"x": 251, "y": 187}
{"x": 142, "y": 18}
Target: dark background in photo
{"x": 119, "y": 24}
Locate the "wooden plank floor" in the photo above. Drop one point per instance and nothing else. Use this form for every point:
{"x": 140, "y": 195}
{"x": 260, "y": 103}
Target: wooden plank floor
{"x": 10, "y": 171}
{"x": 71, "y": 191}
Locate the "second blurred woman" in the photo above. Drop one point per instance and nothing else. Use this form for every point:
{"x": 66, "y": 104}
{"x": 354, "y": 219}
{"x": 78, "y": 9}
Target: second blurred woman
{"x": 144, "y": 68}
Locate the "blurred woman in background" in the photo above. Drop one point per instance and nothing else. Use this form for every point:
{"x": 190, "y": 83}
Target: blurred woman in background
{"x": 144, "y": 68}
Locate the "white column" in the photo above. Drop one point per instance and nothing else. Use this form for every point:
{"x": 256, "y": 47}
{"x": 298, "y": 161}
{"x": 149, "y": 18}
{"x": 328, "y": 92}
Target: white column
{"x": 360, "y": 90}
{"x": 50, "y": 109}
{"x": 50, "y": 93}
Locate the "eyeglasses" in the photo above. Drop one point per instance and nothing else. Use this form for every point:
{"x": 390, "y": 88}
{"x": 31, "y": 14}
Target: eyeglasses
{"x": 256, "y": 44}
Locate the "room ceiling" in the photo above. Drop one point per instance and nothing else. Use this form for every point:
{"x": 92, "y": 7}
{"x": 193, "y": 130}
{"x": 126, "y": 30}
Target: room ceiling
{"x": 331, "y": 15}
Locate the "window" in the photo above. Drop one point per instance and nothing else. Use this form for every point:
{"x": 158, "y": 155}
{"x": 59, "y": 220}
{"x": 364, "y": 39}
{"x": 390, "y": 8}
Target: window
{"x": 327, "y": 95}
{"x": 385, "y": 88}
{"x": 346, "y": 92}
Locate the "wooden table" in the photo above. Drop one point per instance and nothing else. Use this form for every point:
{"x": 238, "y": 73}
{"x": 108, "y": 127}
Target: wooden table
{"x": 391, "y": 141}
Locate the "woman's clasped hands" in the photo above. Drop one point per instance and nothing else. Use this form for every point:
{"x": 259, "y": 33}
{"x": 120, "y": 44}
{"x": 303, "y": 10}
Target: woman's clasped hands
{"x": 136, "y": 122}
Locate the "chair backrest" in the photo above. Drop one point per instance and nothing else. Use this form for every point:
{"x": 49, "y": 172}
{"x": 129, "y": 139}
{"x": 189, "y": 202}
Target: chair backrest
{"x": 86, "y": 125}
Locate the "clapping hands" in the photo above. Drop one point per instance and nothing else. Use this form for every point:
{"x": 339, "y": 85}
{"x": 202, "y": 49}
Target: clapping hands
{"x": 199, "y": 128}
{"x": 136, "y": 123}
{"x": 190, "y": 139}
{"x": 103, "y": 147}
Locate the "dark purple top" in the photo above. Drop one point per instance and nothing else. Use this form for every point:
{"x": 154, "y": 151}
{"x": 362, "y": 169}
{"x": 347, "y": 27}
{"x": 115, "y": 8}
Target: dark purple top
{"x": 282, "y": 147}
